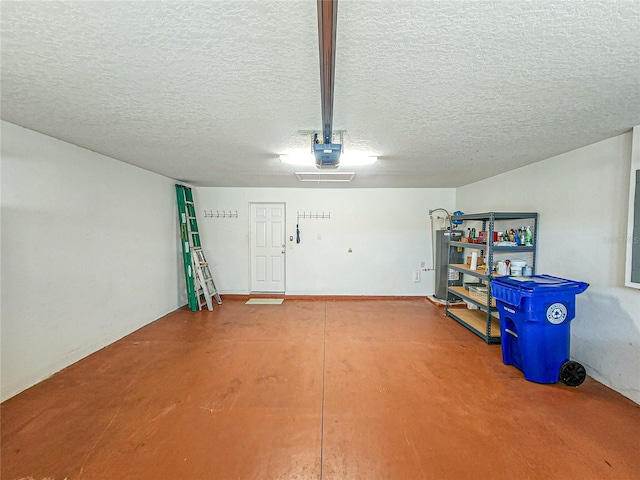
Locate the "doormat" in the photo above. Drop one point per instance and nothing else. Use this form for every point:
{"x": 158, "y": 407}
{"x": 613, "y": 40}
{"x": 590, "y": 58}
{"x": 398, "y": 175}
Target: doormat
{"x": 264, "y": 301}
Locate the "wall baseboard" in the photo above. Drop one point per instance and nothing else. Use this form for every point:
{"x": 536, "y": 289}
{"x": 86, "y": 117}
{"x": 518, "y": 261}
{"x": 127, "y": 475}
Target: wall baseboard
{"x": 327, "y": 298}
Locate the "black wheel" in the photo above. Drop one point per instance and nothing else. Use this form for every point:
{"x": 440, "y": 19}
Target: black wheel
{"x": 572, "y": 373}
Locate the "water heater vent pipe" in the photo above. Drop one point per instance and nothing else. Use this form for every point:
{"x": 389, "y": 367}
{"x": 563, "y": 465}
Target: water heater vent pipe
{"x": 448, "y": 217}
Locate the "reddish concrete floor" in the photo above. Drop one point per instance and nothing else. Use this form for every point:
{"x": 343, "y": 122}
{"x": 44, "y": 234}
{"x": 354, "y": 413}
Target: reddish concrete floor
{"x": 369, "y": 389}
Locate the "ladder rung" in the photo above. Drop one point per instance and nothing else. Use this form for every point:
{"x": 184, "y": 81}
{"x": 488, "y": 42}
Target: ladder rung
{"x": 188, "y": 202}
{"x": 191, "y": 218}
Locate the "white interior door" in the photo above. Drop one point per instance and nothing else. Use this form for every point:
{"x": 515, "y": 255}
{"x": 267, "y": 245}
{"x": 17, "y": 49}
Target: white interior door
{"x": 267, "y": 247}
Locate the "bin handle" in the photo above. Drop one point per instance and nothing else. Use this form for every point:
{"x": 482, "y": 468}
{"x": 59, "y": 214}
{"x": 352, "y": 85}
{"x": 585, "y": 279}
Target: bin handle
{"x": 511, "y": 332}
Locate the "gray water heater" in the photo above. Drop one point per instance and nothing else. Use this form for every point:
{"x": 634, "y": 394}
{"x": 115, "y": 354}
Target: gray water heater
{"x": 443, "y": 254}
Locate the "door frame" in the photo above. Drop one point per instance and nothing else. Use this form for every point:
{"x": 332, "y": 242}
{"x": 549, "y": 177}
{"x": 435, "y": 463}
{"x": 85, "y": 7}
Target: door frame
{"x": 284, "y": 241}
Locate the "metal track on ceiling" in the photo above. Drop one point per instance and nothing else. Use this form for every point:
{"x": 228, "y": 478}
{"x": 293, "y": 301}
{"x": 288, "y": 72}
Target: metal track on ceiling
{"x": 327, "y": 27}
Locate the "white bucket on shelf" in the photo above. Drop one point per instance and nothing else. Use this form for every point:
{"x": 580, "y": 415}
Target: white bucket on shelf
{"x": 516, "y": 267}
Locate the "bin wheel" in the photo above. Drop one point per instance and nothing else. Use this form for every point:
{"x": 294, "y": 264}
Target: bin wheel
{"x": 572, "y": 373}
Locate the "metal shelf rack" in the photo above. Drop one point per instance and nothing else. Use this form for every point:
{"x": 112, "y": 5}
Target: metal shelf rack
{"x": 483, "y": 320}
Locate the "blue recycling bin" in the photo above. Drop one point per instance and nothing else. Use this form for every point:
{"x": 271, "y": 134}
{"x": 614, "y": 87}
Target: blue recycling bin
{"x": 535, "y": 325}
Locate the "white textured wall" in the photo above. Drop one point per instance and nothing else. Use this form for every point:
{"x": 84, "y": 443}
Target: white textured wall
{"x": 387, "y": 229}
{"x": 582, "y": 197}
{"x": 89, "y": 253}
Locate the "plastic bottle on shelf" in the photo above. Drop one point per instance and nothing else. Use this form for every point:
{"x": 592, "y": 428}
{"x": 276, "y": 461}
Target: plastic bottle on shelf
{"x": 528, "y": 236}
{"x": 474, "y": 261}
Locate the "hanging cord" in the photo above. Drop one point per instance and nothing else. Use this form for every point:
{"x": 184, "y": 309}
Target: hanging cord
{"x": 297, "y": 234}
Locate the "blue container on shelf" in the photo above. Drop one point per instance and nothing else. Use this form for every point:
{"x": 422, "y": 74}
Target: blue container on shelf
{"x": 535, "y": 315}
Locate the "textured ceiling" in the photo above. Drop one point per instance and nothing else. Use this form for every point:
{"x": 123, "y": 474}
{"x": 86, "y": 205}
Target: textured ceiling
{"x": 446, "y": 93}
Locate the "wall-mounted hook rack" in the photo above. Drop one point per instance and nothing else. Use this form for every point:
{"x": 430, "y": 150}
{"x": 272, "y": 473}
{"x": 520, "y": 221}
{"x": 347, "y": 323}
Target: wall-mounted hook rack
{"x": 316, "y": 215}
{"x": 219, "y": 214}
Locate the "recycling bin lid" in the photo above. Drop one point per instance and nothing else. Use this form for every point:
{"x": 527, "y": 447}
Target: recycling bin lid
{"x": 541, "y": 283}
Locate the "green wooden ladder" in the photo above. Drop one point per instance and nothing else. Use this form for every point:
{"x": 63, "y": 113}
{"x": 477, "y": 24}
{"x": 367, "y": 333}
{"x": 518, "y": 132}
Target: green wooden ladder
{"x": 200, "y": 285}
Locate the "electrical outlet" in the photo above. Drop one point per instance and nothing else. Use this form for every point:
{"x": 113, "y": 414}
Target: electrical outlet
{"x": 416, "y": 275}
